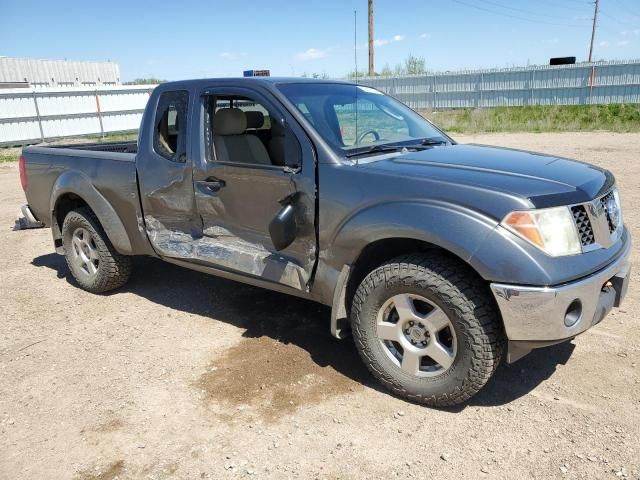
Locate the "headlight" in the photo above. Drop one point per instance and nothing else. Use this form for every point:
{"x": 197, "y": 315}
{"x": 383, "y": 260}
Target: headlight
{"x": 551, "y": 229}
{"x": 617, "y": 216}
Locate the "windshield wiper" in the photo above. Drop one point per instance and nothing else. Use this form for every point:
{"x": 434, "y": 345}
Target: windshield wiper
{"x": 433, "y": 141}
{"x": 377, "y": 149}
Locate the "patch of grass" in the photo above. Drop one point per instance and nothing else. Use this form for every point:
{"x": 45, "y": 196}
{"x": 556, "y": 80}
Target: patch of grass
{"x": 8, "y": 158}
{"x": 11, "y": 154}
{"x": 540, "y": 118}
{"x": 115, "y": 137}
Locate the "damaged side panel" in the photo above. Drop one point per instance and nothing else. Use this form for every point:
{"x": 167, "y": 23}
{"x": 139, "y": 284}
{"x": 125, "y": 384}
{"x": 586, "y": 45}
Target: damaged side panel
{"x": 220, "y": 247}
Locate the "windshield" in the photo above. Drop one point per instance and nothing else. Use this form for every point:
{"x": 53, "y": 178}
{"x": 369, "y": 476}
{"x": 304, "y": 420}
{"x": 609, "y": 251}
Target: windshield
{"x": 356, "y": 118}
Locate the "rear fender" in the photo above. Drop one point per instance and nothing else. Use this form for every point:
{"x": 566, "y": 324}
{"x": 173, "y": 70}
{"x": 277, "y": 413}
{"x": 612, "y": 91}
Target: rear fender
{"x": 78, "y": 184}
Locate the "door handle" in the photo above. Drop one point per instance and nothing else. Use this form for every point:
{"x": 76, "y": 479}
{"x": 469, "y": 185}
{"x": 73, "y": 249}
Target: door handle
{"x": 211, "y": 185}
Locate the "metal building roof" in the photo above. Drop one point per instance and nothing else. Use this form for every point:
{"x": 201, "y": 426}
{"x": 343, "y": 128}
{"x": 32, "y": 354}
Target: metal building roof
{"x": 58, "y": 73}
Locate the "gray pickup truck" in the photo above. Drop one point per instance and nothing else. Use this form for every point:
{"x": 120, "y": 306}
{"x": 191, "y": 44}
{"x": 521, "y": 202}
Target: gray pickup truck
{"x": 439, "y": 259}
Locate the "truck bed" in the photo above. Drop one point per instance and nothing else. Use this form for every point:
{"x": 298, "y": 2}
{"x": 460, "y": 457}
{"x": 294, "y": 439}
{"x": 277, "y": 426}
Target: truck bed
{"x": 116, "y": 147}
{"x": 98, "y": 173}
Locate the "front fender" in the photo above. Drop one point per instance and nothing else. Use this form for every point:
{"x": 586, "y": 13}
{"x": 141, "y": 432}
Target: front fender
{"x": 78, "y": 184}
{"x": 454, "y": 228}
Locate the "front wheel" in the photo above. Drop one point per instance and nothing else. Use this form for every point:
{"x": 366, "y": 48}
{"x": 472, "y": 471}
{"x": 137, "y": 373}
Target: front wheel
{"x": 92, "y": 259}
{"x": 427, "y": 328}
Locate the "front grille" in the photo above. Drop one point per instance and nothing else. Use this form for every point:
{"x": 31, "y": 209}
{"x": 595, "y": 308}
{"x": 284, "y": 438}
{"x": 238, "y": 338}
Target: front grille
{"x": 583, "y": 224}
{"x": 604, "y": 200}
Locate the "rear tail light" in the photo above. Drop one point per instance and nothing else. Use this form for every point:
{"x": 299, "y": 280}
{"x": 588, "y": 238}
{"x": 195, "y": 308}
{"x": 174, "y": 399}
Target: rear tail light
{"x": 23, "y": 172}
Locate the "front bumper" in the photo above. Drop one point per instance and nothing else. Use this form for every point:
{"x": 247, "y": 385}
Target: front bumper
{"x": 538, "y": 316}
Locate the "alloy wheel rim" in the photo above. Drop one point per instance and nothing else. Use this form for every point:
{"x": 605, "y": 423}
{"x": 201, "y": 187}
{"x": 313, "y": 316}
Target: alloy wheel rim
{"x": 84, "y": 253}
{"x": 416, "y": 335}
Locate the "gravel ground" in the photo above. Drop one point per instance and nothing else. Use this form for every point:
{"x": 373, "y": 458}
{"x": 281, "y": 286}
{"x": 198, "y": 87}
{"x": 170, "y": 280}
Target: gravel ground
{"x": 182, "y": 375}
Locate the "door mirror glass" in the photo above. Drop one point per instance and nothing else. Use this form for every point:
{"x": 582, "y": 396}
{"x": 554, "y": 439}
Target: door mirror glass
{"x": 283, "y": 228}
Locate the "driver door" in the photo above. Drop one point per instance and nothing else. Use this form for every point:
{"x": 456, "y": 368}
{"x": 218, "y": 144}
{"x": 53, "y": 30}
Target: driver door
{"x": 253, "y": 163}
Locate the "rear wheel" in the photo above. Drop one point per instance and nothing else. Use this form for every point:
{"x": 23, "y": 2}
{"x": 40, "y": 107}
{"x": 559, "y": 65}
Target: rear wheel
{"x": 427, "y": 328}
{"x": 92, "y": 259}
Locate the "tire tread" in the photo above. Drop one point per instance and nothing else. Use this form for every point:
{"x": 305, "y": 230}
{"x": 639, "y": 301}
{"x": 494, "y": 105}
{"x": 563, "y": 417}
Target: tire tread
{"x": 115, "y": 268}
{"x": 464, "y": 292}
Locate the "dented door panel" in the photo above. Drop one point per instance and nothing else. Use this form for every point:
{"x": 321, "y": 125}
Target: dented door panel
{"x": 235, "y": 215}
{"x": 165, "y": 175}
{"x": 235, "y": 225}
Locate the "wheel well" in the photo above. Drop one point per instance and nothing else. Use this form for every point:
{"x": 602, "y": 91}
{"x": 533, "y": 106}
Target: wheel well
{"x": 65, "y": 204}
{"x": 374, "y": 255}
{"x": 378, "y": 252}
{"x": 381, "y": 251}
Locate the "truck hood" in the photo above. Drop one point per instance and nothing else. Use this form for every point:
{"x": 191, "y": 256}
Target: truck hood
{"x": 544, "y": 180}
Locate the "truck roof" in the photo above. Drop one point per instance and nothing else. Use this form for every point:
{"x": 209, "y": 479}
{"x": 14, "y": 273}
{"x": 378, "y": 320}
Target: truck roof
{"x": 249, "y": 81}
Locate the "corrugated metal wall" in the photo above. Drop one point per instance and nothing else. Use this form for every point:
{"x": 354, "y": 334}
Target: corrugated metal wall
{"x": 31, "y": 115}
{"x": 58, "y": 73}
{"x": 35, "y": 115}
{"x": 582, "y": 84}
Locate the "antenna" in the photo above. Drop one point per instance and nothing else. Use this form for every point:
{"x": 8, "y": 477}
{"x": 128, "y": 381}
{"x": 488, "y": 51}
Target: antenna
{"x": 355, "y": 59}
{"x": 355, "y": 43}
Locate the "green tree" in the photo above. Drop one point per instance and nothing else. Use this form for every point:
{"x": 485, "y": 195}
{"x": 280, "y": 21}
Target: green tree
{"x": 399, "y": 69}
{"x": 386, "y": 71}
{"x": 414, "y": 65}
{"x": 145, "y": 81}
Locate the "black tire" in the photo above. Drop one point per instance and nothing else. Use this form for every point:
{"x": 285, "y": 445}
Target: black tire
{"x": 465, "y": 299}
{"x": 112, "y": 269}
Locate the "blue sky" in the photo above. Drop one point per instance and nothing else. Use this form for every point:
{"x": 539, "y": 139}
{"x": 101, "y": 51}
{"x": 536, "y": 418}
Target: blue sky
{"x": 187, "y": 38}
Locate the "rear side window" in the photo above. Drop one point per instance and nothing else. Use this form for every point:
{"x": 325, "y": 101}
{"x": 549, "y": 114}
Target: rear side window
{"x": 169, "y": 136}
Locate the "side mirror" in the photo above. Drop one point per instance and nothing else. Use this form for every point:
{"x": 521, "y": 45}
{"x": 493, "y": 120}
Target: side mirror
{"x": 283, "y": 228}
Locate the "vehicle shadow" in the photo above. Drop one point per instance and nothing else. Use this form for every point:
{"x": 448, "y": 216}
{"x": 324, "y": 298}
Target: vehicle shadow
{"x": 292, "y": 320}
{"x": 512, "y": 381}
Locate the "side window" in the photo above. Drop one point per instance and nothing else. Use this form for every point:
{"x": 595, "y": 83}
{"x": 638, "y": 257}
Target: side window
{"x": 169, "y": 136}
{"x": 244, "y": 130}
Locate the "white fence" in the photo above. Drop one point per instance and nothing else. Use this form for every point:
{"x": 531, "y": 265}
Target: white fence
{"x": 580, "y": 84}
{"x": 31, "y": 116}
{"x": 35, "y": 115}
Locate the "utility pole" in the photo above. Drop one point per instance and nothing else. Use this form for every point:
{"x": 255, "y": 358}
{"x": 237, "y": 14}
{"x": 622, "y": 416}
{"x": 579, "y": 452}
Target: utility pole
{"x": 371, "y": 69}
{"x": 593, "y": 31}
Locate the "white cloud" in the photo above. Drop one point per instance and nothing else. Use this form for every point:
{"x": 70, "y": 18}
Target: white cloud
{"x": 229, "y": 55}
{"x": 622, "y": 43}
{"x": 311, "y": 54}
{"x": 425, "y": 35}
{"x": 604, "y": 43}
{"x": 380, "y": 42}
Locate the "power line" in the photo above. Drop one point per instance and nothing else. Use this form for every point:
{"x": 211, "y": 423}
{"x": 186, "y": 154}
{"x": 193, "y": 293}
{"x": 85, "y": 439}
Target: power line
{"x": 520, "y": 9}
{"x": 625, "y": 7}
{"x": 477, "y": 7}
{"x": 560, "y": 5}
{"x": 611, "y": 17}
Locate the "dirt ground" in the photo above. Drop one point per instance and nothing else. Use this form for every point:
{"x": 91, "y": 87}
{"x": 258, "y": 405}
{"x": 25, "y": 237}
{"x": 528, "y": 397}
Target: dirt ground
{"x": 182, "y": 375}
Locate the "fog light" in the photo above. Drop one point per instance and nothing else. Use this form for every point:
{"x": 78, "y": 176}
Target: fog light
{"x": 574, "y": 312}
